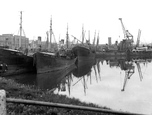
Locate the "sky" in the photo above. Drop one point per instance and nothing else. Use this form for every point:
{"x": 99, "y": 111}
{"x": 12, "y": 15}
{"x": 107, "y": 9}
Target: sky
{"x": 101, "y": 16}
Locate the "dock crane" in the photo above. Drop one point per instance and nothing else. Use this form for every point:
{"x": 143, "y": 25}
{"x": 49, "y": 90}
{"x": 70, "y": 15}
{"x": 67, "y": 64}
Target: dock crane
{"x": 127, "y": 35}
{"x": 127, "y": 43}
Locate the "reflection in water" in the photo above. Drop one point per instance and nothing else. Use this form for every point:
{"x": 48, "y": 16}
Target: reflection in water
{"x": 97, "y": 81}
{"x": 53, "y": 80}
{"x": 139, "y": 70}
{"x": 126, "y": 66}
{"x": 129, "y": 67}
{"x": 82, "y": 71}
{"x": 130, "y": 70}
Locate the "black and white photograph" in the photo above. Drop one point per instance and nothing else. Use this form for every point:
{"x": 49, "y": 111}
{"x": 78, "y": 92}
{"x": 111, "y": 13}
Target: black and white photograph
{"x": 75, "y": 57}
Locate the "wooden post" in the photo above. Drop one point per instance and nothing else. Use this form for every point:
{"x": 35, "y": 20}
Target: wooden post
{"x": 2, "y": 102}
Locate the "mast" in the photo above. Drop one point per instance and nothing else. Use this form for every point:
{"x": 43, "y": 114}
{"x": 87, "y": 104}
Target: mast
{"x": 20, "y": 40}
{"x": 97, "y": 41}
{"x": 67, "y": 37}
{"x": 94, "y": 38}
{"x": 82, "y": 34}
{"x": 89, "y": 36}
{"x": 138, "y": 38}
{"x": 50, "y": 33}
{"x": 47, "y": 41}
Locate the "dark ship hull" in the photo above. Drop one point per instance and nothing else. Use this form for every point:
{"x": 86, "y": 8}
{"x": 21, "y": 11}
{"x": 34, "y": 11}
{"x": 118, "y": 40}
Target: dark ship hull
{"x": 83, "y": 53}
{"x": 15, "y": 62}
{"x": 48, "y": 62}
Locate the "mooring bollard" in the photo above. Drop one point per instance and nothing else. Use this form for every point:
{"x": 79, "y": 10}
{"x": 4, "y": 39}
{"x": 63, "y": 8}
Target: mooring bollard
{"x": 2, "y": 102}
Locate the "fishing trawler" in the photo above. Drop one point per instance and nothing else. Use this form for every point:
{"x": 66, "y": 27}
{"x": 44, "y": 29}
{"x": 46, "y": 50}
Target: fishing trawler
{"x": 53, "y": 61}
{"x": 84, "y": 51}
{"x": 15, "y": 61}
{"x": 47, "y": 62}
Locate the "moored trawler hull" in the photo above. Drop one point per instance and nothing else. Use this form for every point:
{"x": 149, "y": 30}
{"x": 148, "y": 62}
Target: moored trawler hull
{"x": 13, "y": 57}
{"x": 46, "y": 69}
{"x": 81, "y": 51}
{"x": 14, "y": 70}
{"x": 83, "y": 54}
{"x": 48, "y": 63}
{"x": 16, "y": 62}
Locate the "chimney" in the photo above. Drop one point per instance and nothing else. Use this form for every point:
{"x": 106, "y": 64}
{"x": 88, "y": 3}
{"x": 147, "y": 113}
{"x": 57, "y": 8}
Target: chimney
{"x": 109, "y": 41}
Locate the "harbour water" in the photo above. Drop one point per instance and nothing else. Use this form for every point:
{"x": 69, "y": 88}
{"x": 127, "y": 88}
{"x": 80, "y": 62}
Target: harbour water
{"x": 113, "y": 83}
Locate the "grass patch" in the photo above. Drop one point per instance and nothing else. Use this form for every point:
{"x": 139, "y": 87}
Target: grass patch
{"x": 16, "y": 90}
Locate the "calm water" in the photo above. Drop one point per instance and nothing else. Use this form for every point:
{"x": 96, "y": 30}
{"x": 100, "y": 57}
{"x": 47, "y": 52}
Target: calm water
{"x": 117, "y": 84}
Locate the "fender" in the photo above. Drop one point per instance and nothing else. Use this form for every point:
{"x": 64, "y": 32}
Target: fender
{"x": 3, "y": 67}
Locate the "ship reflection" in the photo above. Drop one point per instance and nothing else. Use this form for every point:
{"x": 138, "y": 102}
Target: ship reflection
{"x": 83, "y": 73}
{"x": 83, "y": 68}
{"x": 62, "y": 80}
{"x": 129, "y": 67}
{"x": 86, "y": 72}
{"x": 54, "y": 80}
